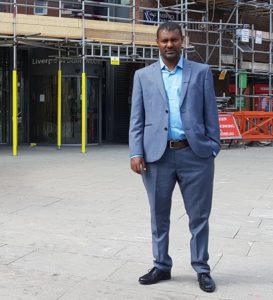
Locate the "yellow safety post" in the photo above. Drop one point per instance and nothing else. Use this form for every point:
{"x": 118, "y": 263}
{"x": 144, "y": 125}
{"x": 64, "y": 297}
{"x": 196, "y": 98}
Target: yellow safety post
{"x": 14, "y": 113}
{"x": 59, "y": 111}
{"x": 83, "y": 112}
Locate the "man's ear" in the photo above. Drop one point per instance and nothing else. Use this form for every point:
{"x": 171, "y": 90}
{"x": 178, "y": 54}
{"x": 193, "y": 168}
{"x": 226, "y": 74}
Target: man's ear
{"x": 182, "y": 42}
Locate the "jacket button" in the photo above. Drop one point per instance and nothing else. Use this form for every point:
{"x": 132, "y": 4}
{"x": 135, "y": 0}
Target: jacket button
{"x": 166, "y": 111}
{"x": 165, "y": 128}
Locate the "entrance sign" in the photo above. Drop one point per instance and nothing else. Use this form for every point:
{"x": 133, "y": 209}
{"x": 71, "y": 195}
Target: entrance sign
{"x": 228, "y": 127}
{"x": 55, "y": 61}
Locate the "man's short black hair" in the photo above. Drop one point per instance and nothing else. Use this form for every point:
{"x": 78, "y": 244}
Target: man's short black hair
{"x": 169, "y": 26}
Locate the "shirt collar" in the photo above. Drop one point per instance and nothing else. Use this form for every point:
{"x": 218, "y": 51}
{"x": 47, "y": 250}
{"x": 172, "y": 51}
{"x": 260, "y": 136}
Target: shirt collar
{"x": 179, "y": 64}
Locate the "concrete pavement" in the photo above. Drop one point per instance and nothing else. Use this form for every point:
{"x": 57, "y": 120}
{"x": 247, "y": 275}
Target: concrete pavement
{"x": 76, "y": 227}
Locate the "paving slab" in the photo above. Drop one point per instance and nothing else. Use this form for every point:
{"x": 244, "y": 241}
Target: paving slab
{"x": 77, "y": 227}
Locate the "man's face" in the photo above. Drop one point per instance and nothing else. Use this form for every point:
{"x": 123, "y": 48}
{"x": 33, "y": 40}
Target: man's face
{"x": 169, "y": 44}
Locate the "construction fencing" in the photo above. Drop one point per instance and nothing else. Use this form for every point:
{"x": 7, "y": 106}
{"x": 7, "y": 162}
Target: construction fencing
{"x": 255, "y": 125}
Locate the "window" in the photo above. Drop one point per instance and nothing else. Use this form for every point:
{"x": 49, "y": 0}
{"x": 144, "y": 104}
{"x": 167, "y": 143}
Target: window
{"x": 40, "y": 7}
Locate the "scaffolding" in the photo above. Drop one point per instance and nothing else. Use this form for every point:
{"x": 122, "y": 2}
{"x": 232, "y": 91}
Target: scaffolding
{"x": 215, "y": 33}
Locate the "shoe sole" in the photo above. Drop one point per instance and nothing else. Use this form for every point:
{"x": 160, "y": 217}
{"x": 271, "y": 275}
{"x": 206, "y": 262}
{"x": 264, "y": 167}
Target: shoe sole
{"x": 208, "y": 290}
{"x": 149, "y": 283}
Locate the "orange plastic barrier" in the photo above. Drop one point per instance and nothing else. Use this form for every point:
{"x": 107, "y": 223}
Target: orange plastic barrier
{"x": 255, "y": 125}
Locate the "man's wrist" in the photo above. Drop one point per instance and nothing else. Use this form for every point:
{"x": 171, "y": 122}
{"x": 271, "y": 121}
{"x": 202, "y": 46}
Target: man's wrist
{"x": 136, "y": 155}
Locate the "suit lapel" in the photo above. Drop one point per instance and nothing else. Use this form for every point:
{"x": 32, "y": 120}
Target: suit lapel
{"x": 159, "y": 81}
{"x": 186, "y": 79}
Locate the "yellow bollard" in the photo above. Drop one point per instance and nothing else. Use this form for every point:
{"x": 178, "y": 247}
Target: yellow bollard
{"x": 14, "y": 113}
{"x": 83, "y": 113}
{"x": 59, "y": 111}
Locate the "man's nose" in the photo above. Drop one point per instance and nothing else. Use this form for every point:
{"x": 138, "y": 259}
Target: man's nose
{"x": 169, "y": 44}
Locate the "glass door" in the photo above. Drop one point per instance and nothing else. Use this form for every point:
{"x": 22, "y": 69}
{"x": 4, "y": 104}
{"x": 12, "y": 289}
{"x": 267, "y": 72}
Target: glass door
{"x": 21, "y": 109}
{"x": 43, "y": 110}
{"x": 71, "y": 110}
{"x": 3, "y": 108}
{"x": 93, "y": 110}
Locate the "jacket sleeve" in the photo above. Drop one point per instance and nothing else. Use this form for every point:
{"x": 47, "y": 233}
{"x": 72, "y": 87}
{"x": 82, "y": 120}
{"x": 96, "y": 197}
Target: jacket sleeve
{"x": 137, "y": 119}
{"x": 211, "y": 112}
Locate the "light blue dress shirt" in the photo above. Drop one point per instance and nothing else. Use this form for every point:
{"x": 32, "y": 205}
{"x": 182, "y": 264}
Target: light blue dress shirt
{"x": 173, "y": 86}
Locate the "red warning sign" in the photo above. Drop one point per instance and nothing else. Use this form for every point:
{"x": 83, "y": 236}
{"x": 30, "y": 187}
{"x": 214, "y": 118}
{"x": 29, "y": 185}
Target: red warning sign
{"x": 228, "y": 127}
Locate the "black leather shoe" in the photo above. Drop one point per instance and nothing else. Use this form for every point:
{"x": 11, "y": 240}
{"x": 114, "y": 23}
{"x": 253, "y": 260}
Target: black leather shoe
{"x": 153, "y": 276}
{"x": 206, "y": 283}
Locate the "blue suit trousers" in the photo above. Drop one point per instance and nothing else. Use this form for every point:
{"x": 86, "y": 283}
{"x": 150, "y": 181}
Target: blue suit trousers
{"x": 195, "y": 178}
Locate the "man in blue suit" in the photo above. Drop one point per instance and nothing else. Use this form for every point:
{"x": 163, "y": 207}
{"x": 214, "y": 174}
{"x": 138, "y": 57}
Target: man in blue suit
{"x": 174, "y": 138}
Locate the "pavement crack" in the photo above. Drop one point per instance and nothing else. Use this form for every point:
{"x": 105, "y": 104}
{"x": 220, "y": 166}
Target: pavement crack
{"x": 118, "y": 268}
{"x": 120, "y": 250}
{"x": 250, "y": 247}
{"x": 73, "y": 285}
{"x": 260, "y": 223}
{"x": 181, "y": 217}
{"x": 234, "y": 236}
{"x": 218, "y": 261}
{"x": 51, "y": 203}
{"x": 21, "y": 257}
{"x": 250, "y": 211}
{"x": 15, "y": 211}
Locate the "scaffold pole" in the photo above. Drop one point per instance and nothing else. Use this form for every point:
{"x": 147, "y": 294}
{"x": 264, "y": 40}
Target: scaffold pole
{"x": 270, "y": 55}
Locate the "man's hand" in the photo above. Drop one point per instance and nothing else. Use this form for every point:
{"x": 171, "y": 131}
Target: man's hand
{"x": 138, "y": 164}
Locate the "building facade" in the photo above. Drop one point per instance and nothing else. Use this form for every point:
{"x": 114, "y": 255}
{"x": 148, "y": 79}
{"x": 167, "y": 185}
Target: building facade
{"x": 77, "y": 37}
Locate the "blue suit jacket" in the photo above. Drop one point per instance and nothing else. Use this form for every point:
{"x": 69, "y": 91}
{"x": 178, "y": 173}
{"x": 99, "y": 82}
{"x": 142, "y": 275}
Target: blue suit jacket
{"x": 148, "y": 132}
